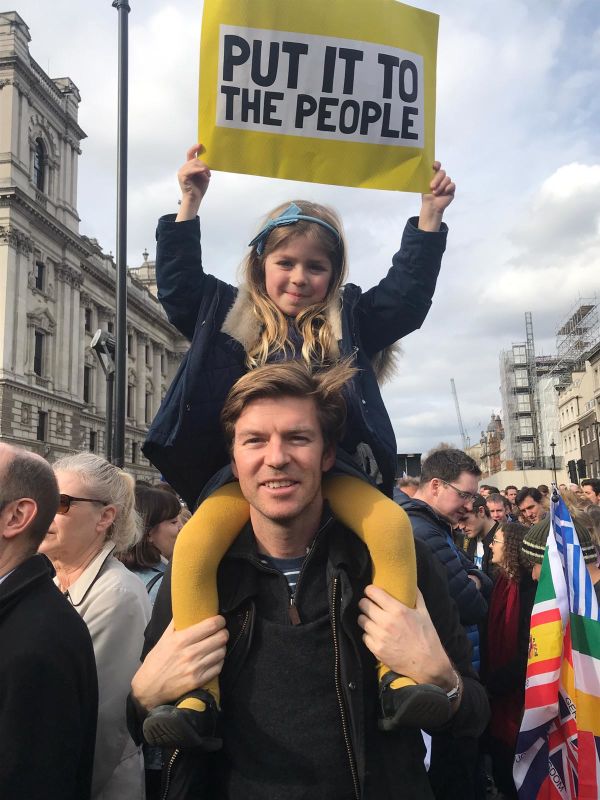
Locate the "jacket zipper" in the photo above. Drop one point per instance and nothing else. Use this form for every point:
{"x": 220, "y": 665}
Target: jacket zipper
{"x": 240, "y": 632}
{"x": 338, "y": 689}
{"x": 169, "y": 768}
{"x": 293, "y": 609}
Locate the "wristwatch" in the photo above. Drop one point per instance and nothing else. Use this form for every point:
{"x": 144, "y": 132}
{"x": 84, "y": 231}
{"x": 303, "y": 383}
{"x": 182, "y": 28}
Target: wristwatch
{"x": 454, "y": 694}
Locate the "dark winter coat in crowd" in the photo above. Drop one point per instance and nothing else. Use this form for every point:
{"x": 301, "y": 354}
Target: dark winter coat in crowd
{"x": 285, "y": 737}
{"x": 453, "y": 769}
{"x": 185, "y": 441}
{"x": 48, "y": 690}
{"x": 470, "y": 548}
{"x": 437, "y": 534}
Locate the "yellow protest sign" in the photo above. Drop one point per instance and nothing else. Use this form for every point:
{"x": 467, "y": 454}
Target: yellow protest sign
{"x": 339, "y": 92}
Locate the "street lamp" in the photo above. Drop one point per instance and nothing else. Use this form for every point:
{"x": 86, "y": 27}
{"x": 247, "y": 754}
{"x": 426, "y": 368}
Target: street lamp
{"x": 553, "y": 446}
{"x": 123, "y": 9}
{"x": 103, "y": 345}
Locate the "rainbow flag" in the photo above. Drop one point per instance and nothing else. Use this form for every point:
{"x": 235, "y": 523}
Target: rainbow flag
{"x": 558, "y": 748}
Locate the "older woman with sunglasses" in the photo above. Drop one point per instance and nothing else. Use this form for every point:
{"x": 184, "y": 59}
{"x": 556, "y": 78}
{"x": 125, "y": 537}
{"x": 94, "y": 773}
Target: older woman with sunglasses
{"x": 96, "y": 519}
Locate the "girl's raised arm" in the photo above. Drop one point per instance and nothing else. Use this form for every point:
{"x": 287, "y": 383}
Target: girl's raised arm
{"x": 193, "y": 177}
{"x": 433, "y": 205}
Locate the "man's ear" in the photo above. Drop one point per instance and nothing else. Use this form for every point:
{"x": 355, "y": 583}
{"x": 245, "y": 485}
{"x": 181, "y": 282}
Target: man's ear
{"x": 234, "y": 468}
{"x": 17, "y": 516}
{"x": 328, "y": 458}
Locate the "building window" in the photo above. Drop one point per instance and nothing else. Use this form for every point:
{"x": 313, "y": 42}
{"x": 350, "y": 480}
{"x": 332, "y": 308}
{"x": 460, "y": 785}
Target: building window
{"x": 87, "y": 384}
{"x": 88, "y": 319}
{"x": 163, "y": 364}
{"x": 148, "y": 407}
{"x": 148, "y": 355}
{"x": 520, "y": 354}
{"x": 523, "y": 403}
{"x": 39, "y": 157}
{"x": 110, "y": 326}
{"x": 42, "y": 426}
{"x": 38, "y": 353}
{"x": 527, "y": 451}
{"x": 134, "y": 452}
{"x": 93, "y": 441}
{"x": 521, "y": 378}
{"x": 130, "y": 343}
{"x": 525, "y": 426}
{"x": 130, "y": 401}
{"x": 40, "y": 275}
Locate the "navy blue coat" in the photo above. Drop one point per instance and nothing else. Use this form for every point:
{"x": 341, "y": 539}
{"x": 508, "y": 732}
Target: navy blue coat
{"x": 185, "y": 441}
{"x": 437, "y": 534}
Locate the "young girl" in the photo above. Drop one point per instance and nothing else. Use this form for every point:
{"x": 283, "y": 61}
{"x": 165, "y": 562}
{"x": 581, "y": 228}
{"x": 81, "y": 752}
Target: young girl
{"x": 291, "y": 305}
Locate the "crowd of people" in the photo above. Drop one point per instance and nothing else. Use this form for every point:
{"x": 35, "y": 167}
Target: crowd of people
{"x": 302, "y": 635}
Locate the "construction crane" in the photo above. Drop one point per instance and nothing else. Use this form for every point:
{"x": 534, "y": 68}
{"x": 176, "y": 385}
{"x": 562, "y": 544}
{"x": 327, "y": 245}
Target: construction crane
{"x": 466, "y": 442}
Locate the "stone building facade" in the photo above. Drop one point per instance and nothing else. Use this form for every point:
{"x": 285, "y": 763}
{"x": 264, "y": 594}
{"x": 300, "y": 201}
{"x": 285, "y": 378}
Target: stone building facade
{"x": 57, "y": 287}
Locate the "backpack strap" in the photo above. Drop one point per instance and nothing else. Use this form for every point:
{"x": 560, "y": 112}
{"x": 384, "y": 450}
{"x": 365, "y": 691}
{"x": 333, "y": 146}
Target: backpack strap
{"x": 154, "y": 580}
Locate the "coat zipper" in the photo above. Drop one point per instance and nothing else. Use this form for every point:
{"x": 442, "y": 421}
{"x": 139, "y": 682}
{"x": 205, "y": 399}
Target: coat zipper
{"x": 169, "y": 768}
{"x": 293, "y": 613}
{"x": 338, "y": 689}
{"x": 240, "y": 632}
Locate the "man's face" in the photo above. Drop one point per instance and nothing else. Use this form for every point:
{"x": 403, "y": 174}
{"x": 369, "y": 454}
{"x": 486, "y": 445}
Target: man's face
{"x": 473, "y": 523}
{"x": 590, "y": 495}
{"x": 484, "y": 491}
{"x": 511, "y": 494}
{"x": 279, "y": 457}
{"x": 531, "y": 511}
{"x": 454, "y": 499}
{"x": 497, "y": 511}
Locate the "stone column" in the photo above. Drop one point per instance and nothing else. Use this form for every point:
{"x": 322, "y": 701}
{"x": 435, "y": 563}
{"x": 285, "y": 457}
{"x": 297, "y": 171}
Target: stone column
{"x": 64, "y": 348}
{"x": 156, "y": 379}
{"x": 140, "y": 393}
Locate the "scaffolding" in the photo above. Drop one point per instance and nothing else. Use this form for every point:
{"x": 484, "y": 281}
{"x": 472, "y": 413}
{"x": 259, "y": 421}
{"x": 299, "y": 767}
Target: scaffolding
{"x": 577, "y": 334}
{"x": 529, "y": 384}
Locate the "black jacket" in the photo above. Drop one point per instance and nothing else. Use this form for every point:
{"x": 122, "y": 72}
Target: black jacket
{"x": 387, "y": 765}
{"x": 48, "y": 690}
{"x": 185, "y": 441}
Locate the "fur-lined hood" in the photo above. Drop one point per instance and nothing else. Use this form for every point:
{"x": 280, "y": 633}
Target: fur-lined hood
{"x": 243, "y": 326}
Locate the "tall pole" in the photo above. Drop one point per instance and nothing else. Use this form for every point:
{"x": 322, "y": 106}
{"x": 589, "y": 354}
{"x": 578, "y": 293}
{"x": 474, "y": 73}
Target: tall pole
{"x": 553, "y": 445}
{"x": 123, "y": 9}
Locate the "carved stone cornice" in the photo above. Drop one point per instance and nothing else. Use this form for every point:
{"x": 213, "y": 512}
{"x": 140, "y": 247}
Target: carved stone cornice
{"x": 16, "y": 239}
{"x": 42, "y": 319}
{"x": 86, "y": 300}
{"x": 67, "y": 274}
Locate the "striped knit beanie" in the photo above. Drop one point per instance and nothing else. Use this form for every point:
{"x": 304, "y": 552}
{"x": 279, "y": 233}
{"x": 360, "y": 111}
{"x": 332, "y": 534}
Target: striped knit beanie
{"x": 534, "y": 542}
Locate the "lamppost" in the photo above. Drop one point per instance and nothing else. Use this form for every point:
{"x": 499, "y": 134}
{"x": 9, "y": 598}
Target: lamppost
{"x": 103, "y": 345}
{"x": 123, "y": 9}
{"x": 552, "y": 447}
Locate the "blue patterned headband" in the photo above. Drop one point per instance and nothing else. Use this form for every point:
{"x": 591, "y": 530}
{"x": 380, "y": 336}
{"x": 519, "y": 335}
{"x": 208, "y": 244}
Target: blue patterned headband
{"x": 290, "y": 216}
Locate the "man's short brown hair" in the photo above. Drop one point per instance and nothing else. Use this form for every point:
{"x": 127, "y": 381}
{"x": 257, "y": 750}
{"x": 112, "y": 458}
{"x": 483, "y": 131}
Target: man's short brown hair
{"x": 292, "y": 379}
{"x": 26, "y": 475}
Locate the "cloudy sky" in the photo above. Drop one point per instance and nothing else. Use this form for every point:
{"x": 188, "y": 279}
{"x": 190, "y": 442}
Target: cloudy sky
{"x": 518, "y": 128}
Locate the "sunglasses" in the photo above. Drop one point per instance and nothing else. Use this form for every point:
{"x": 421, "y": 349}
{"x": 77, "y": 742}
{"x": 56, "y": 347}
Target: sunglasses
{"x": 65, "y": 500}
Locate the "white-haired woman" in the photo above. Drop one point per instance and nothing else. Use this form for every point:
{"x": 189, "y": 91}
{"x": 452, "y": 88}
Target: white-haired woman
{"x": 96, "y": 519}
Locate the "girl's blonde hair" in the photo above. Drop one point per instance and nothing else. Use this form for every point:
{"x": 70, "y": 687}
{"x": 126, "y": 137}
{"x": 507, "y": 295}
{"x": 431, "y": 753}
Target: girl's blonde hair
{"x": 112, "y": 486}
{"x": 319, "y": 343}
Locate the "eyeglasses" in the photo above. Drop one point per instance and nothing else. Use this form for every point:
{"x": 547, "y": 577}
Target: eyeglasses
{"x": 466, "y": 496}
{"x": 497, "y": 541}
{"x": 65, "y": 500}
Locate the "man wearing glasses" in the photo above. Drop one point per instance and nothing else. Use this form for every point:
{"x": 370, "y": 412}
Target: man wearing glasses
{"x": 447, "y": 489}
